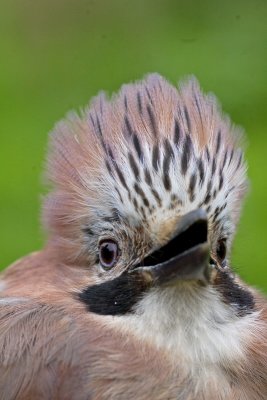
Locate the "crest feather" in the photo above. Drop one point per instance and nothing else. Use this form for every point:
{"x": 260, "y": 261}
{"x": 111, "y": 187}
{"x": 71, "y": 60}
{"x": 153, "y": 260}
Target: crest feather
{"x": 149, "y": 144}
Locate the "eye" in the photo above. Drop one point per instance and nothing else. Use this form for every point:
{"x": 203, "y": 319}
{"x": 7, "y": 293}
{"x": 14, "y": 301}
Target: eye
{"x": 221, "y": 250}
{"x": 108, "y": 253}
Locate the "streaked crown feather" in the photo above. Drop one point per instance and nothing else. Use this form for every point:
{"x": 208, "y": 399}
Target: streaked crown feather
{"x": 151, "y": 147}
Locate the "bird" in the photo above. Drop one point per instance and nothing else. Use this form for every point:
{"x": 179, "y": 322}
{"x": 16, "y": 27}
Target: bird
{"x": 133, "y": 295}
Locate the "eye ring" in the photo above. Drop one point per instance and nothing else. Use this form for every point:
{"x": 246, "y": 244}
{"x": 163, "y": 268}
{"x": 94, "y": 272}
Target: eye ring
{"x": 221, "y": 251}
{"x": 108, "y": 253}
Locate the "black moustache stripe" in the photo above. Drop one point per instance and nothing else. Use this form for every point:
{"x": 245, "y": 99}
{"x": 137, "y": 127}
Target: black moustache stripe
{"x": 114, "y": 297}
{"x": 120, "y": 295}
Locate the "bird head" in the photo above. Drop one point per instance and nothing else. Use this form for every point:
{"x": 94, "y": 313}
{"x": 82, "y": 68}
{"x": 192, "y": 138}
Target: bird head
{"x": 146, "y": 191}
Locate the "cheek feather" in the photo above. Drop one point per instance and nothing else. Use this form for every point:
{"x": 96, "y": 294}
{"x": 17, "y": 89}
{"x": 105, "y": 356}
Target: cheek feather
{"x": 192, "y": 325}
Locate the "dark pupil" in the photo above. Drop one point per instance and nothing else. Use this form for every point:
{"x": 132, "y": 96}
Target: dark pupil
{"x": 108, "y": 253}
{"x": 221, "y": 249}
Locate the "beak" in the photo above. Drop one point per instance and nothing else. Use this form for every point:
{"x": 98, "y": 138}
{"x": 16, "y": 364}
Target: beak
{"x": 184, "y": 258}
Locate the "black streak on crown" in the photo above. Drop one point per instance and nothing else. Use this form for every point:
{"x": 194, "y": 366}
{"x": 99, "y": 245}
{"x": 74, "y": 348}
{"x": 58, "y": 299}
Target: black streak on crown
{"x": 186, "y": 154}
{"x": 177, "y": 133}
{"x": 168, "y": 155}
{"x": 218, "y": 144}
{"x": 221, "y": 180}
{"x": 141, "y": 193}
{"x": 149, "y": 96}
{"x": 225, "y": 158}
{"x": 192, "y": 185}
{"x": 120, "y": 197}
{"x": 231, "y": 157}
{"x": 92, "y": 120}
{"x": 239, "y": 160}
{"x": 139, "y": 103}
{"x": 207, "y": 154}
{"x": 121, "y": 177}
{"x": 99, "y": 126}
{"x": 137, "y": 146}
{"x": 153, "y": 122}
{"x": 157, "y": 197}
{"x": 188, "y": 122}
{"x": 134, "y": 166}
{"x": 126, "y": 103}
{"x": 128, "y": 126}
{"x": 201, "y": 171}
{"x": 148, "y": 177}
{"x": 155, "y": 157}
{"x": 213, "y": 168}
{"x": 198, "y": 107}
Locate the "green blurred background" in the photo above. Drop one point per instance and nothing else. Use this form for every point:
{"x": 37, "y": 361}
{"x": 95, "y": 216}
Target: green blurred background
{"x": 56, "y": 54}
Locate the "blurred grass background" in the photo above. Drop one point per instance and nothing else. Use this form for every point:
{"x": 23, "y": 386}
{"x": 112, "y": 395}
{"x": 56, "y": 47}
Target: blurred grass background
{"x": 56, "y": 54}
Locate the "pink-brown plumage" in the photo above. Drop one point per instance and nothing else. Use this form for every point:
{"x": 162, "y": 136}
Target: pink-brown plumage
{"x": 128, "y": 170}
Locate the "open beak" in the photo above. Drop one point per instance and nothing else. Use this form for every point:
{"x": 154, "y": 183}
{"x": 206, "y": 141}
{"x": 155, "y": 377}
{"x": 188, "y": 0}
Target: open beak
{"x": 185, "y": 257}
